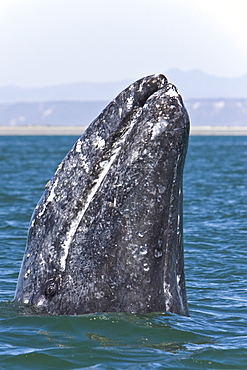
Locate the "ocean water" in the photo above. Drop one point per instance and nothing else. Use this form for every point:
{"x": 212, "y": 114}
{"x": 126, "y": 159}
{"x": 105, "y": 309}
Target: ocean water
{"x": 215, "y": 232}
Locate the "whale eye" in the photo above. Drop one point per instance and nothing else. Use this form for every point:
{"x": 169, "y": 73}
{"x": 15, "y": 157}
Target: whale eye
{"x": 51, "y": 288}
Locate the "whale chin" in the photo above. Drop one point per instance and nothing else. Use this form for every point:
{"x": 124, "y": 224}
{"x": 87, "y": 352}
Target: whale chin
{"x": 107, "y": 234}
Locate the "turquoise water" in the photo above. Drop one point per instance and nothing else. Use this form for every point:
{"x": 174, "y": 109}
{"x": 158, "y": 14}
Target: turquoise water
{"x": 215, "y": 215}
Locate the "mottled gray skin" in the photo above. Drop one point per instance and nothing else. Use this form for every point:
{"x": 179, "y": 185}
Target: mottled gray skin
{"x": 107, "y": 235}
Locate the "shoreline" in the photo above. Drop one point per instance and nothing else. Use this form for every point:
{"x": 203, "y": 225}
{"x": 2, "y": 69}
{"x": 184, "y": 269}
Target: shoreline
{"x": 38, "y": 130}
{"x": 218, "y": 130}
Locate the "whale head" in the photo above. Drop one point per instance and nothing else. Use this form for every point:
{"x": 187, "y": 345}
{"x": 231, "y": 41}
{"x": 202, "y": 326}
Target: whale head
{"x": 107, "y": 234}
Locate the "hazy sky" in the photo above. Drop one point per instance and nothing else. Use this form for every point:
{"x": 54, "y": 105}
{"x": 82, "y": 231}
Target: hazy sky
{"x": 46, "y": 42}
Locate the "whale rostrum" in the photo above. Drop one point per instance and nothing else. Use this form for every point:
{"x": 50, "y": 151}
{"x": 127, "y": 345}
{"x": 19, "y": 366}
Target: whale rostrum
{"x": 107, "y": 234}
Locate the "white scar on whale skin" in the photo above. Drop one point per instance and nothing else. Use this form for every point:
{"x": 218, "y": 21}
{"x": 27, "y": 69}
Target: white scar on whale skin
{"x": 48, "y": 200}
{"x": 76, "y": 221}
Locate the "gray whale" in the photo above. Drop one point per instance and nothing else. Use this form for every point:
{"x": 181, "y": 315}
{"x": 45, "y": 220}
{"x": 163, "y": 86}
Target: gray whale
{"x": 107, "y": 234}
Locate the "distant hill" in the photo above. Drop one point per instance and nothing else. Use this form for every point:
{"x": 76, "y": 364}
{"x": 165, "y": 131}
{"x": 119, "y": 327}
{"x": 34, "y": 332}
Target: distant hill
{"x": 213, "y": 112}
{"x": 82, "y": 91}
{"x": 199, "y": 85}
{"x": 217, "y": 112}
{"x": 50, "y": 113}
{"x": 192, "y": 84}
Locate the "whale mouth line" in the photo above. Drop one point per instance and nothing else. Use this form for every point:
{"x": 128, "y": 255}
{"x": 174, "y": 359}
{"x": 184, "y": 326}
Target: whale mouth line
{"x": 104, "y": 169}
